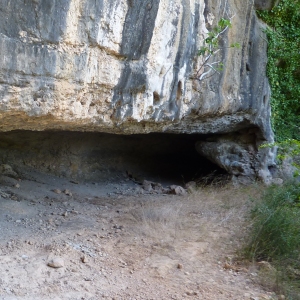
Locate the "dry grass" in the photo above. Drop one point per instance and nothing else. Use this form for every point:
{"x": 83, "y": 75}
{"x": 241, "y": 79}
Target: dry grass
{"x": 195, "y": 217}
{"x": 158, "y": 219}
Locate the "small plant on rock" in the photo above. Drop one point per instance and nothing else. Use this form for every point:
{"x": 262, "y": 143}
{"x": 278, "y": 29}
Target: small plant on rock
{"x": 211, "y": 48}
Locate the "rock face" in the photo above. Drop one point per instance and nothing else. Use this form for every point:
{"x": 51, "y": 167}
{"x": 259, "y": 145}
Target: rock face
{"x": 237, "y": 153}
{"x": 265, "y": 4}
{"x": 128, "y": 67}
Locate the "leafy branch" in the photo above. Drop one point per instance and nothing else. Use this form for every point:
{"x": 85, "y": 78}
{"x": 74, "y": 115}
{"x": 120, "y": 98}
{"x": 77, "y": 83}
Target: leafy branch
{"x": 211, "y": 48}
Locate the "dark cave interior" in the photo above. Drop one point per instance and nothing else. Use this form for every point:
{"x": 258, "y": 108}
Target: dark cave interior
{"x": 160, "y": 157}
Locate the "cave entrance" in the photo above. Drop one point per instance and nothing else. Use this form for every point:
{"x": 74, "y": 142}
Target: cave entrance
{"x": 159, "y": 157}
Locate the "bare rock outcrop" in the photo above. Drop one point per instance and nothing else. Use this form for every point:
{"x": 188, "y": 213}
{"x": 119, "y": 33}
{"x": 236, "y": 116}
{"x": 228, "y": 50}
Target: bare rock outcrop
{"x": 239, "y": 155}
{"x": 265, "y": 4}
{"x": 128, "y": 67}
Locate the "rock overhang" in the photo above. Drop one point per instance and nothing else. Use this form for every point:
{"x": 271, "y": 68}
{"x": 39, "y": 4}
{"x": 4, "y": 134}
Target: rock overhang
{"x": 126, "y": 67}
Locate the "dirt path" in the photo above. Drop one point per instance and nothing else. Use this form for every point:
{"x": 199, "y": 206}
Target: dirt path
{"x": 109, "y": 241}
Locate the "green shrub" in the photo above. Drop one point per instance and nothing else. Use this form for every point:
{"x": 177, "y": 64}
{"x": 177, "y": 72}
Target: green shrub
{"x": 275, "y": 237}
{"x": 276, "y": 227}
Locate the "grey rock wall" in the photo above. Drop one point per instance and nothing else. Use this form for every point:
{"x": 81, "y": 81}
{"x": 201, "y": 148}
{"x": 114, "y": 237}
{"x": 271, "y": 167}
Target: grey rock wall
{"x": 127, "y": 67}
{"x": 265, "y": 4}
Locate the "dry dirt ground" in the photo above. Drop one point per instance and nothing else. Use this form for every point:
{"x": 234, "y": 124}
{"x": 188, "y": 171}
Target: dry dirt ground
{"x": 74, "y": 240}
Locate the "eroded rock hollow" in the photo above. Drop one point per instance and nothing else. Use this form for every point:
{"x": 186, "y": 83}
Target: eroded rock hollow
{"x": 129, "y": 67}
{"x": 102, "y": 157}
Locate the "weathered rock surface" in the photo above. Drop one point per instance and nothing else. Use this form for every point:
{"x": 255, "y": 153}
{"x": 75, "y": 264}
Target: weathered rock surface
{"x": 127, "y": 66}
{"x": 238, "y": 154}
{"x": 265, "y": 4}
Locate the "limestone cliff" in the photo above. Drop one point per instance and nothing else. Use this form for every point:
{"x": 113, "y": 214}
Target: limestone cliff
{"x": 127, "y": 66}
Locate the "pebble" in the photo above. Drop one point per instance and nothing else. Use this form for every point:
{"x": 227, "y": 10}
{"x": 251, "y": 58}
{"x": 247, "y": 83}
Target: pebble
{"x": 56, "y": 263}
{"x": 191, "y": 293}
{"x": 56, "y": 191}
{"x": 178, "y": 190}
{"x": 179, "y": 266}
{"x": 88, "y": 279}
{"x": 67, "y": 192}
{"x": 84, "y": 259}
{"x": 8, "y": 171}
{"x": 147, "y": 185}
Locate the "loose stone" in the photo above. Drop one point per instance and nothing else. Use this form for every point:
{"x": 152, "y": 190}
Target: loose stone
{"x": 56, "y": 263}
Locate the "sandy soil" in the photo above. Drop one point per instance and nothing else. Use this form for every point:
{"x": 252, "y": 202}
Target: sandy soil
{"x": 114, "y": 241}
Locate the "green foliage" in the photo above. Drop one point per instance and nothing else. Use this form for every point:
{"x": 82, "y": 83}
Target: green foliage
{"x": 288, "y": 147}
{"x": 275, "y": 236}
{"x": 276, "y": 229}
{"x": 283, "y": 67}
{"x": 212, "y": 41}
